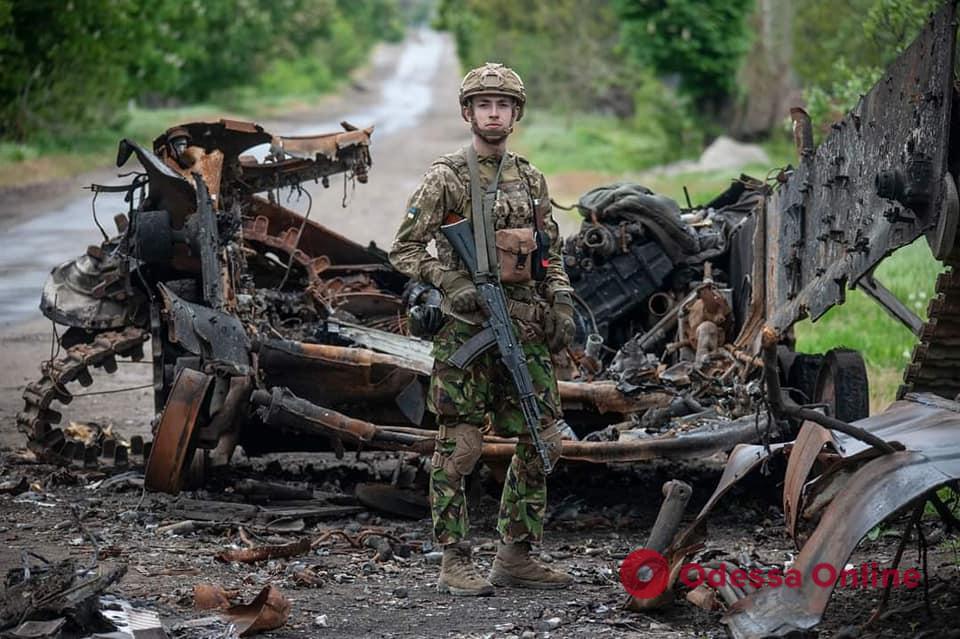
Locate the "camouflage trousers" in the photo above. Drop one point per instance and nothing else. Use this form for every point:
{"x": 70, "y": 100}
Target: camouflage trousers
{"x": 481, "y": 393}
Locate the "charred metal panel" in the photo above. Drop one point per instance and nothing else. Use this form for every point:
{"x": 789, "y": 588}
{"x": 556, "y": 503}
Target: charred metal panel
{"x": 169, "y": 190}
{"x": 926, "y": 426}
{"x": 874, "y": 185}
{"x": 206, "y": 331}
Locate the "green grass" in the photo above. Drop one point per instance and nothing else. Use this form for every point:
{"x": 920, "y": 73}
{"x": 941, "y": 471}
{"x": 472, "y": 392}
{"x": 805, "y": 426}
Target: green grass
{"x": 860, "y": 323}
{"x": 558, "y": 143}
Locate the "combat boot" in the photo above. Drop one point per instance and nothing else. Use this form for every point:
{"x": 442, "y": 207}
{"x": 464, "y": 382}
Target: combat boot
{"x": 513, "y": 566}
{"x": 458, "y": 576}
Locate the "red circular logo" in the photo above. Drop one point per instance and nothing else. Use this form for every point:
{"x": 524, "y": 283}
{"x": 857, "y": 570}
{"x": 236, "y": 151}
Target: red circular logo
{"x": 645, "y": 573}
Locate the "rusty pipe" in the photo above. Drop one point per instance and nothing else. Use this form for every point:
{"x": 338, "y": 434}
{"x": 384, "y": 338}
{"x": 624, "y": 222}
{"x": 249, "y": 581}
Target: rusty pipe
{"x": 281, "y": 407}
{"x": 782, "y": 406}
{"x": 659, "y": 304}
{"x": 608, "y": 399}
{"x": 676, "y": 496}
{"x": 341, "y": 355}
{"x": 693, "y": 444}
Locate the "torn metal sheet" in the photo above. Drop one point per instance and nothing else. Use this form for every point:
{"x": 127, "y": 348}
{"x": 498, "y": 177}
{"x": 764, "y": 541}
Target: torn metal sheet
{"x": 269, "y": 610}
{"x": 803, "y": 455}
{"x": 130, "y": 622}
{"x": 925, "y": 425}
{"x": 876, "y": 491}
{"x": 174, "y": 444}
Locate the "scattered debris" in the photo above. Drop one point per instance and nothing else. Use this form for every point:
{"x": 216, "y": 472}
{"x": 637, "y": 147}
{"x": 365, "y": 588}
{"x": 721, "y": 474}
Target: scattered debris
{"x": 38, "y": 629}
{"x": 51, "y": 590}
{"x": 263, "y": 553}
{"x": 269, "y": 610}
{"x": 211, "y": 597}
{"x": 14, "y": 486}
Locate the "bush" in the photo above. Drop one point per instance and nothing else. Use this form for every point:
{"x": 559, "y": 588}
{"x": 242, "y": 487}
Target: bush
{"x": 67, "y": 66}
{"x": 842, "y": 49}
{"x": 701, "y": 42}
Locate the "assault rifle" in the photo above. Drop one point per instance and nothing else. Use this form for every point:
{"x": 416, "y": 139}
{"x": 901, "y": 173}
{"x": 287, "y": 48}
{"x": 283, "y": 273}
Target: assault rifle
{"x": 498, "y": 329}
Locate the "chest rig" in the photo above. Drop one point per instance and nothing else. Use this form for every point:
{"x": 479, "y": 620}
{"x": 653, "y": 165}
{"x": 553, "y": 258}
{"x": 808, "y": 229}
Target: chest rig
{"x": 513, "y": 235}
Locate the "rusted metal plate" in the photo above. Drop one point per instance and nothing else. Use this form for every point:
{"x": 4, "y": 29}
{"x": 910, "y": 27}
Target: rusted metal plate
{"x": 232, "y": 137}
{"x": 879, "y": 489}
{"x": 316, "y": 239}
{"x": 803, "y": 455}
{"x": 873, "y": 489}
{"x": 327, "y": 145}
{"x": 875, "y": 184}
{"x": 172, "y": 449}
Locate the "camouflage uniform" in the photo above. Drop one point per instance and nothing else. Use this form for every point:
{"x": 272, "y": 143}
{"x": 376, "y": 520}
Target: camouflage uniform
{"x": 484, "y": 390}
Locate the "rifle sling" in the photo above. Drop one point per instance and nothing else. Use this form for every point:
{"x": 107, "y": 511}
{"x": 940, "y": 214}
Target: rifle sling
{"x": 481, "y": 203}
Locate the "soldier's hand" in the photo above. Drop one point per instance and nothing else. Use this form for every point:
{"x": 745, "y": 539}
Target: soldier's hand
{"x": 559, "y": 327}
{"x": 461, "y": 292}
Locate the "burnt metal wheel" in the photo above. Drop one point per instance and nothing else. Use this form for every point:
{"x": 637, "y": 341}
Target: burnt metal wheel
{"x": 802, "y": 376}
{"x": 842, "y": 385}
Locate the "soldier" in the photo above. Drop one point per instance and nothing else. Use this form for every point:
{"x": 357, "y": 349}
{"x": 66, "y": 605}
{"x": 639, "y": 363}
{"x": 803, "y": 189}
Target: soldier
{"x": 492, "y": 99}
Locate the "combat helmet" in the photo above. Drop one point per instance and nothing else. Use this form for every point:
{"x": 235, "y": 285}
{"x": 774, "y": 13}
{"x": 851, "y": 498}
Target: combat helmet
{"x": 496, "y": 79}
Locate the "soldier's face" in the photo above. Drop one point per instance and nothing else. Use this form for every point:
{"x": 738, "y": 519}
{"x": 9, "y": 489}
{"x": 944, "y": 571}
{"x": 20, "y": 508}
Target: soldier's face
{"x": 491, "y": 115}
{"x": 493, "y": 111}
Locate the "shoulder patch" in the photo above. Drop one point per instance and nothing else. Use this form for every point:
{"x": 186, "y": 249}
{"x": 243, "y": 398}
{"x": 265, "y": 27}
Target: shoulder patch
{"x": 412, "y": 213}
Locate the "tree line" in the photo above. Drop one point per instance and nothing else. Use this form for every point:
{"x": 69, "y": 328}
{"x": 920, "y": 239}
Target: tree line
{"x": 701, "y": 59}
{"x": 70, "y": 64}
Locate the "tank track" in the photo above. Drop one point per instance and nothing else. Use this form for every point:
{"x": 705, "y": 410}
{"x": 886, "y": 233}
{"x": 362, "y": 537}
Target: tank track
{"x": 936, "y": 358}
{"x": 37, "y": 420}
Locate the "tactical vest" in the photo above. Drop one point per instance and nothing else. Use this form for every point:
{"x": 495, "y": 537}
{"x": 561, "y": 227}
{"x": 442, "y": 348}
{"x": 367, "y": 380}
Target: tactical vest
{"x": 515, "y": 208}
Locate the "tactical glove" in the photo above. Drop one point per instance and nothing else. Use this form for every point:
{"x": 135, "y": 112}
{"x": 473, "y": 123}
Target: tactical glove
{"x": 559, "y": 327}
{"x": 460, "y": 291}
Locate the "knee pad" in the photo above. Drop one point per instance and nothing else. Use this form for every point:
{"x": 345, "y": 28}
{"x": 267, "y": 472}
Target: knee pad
{"x": 468, "y": 446}
{"x": 552, "y": 438}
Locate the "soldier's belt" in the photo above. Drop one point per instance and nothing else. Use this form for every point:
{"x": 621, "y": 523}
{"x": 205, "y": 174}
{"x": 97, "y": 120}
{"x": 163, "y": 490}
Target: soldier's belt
{"x": 479, "y": 343}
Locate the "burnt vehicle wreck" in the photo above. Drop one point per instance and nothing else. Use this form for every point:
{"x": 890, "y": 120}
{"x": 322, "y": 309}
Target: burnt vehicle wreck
{"x": 263, "y": 322}
{"x": 884, "y": 177}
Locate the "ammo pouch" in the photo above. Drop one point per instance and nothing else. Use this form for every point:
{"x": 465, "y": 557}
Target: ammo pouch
{"x": 516, "y": 253}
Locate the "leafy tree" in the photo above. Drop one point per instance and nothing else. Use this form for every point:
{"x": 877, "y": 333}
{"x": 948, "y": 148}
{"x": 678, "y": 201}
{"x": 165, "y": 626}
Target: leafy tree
{"x": 701, "y": 42}
{"x": 566, "y": 51}
{"x": 843, "y": 47}
{"x": 68, "y": 65}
